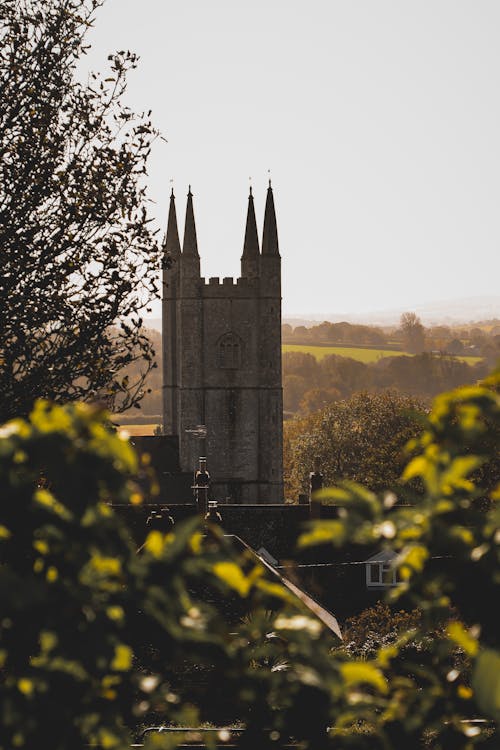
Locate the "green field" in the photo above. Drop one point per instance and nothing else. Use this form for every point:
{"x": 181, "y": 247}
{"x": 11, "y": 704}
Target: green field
{"x": 360, "y": 354}
{"x": 133, "y": 430}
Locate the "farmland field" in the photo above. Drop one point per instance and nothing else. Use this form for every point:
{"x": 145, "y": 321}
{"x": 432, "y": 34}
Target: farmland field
{"x": 133, "y": 430}
{"x": 360, "y": 354}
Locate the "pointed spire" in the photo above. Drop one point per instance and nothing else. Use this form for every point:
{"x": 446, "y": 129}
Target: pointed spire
{"x": 172, "y": 246}
{"x": 251, "y": 252}
{"x": 190, "y": 244}
{"x": 270, "y": 233}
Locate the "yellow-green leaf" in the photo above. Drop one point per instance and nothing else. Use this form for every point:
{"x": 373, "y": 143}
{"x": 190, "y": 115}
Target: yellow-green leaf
{"x": 25, "y": 686}
{"x": 323, "y": 533}
{"x": 416, "y": 468}
{"x": 412, "y": 560}
{"x": 122, "y": 660}
{"x": 486, "y": 682}
{"x": 233, "y": 576}
{"x": 362, "y": 672}
{"x": 155, "y": 543}
{"x": 47, "y": 499}
{"x": 459, "y": 635}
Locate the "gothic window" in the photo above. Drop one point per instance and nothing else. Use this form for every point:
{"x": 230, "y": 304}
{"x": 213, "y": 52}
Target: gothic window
{"x": 229, "y": 351}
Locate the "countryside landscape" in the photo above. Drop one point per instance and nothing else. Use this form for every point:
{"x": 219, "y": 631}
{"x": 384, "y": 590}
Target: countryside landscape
{"x": 320, "y": 363}
{"x": 249, "y": 375}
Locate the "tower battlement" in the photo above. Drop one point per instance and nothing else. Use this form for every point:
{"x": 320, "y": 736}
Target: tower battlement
{"x": 227, "y": 287}
{"x": 222, "y": 360}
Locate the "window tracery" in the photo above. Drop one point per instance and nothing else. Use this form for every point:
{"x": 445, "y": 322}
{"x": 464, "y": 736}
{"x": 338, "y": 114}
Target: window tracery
{"x": 229, "y": 351}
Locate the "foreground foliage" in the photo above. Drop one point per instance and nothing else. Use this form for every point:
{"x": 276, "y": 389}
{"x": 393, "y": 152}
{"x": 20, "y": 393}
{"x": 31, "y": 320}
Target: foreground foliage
{"x": 77, "y": 250}
{"x": 449, "y": 554}
{"x": 96, "y": 639}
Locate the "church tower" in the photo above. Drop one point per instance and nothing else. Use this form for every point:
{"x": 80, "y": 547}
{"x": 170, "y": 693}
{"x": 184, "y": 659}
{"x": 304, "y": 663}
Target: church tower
{"x": 222, "y": 360}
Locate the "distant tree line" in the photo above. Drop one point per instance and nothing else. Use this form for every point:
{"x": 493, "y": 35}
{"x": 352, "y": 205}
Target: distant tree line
{"x": 482, "y": 339}
{"x": 329, "y": 333}
{"x": 310, "y": 384}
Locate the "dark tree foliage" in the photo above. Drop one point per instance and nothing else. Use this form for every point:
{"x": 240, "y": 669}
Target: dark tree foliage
{"x": 77, "y": 250}
{"x": 97, "y": 640}
{"x": 443, "y": 673}
{"x": 362, "y": 439}
{"x": 413, "y": 332}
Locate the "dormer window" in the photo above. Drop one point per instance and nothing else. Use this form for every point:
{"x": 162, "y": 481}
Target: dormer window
{"x": 382, "y": 570}
{"x": 229, "y": 351}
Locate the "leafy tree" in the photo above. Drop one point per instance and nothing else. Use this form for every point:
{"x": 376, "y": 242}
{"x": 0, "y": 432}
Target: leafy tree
{"x": 455, "y": 346}
{"x": 96, "y": 640}
{"x": 431, "y": 690}
{"x": 301, "y": 363}
{"x": 77, "y": 251}
{"x": 377, "y": 627}
{"x": 293, "y": 388}
{"x": 425, "y": 374}
{"x": 351, "y": 375}
{"x": 361, "y": 439}
{"x": 301, "y": 333}
{"x": 413, "y": 333}
{"x": 318, "y": 398}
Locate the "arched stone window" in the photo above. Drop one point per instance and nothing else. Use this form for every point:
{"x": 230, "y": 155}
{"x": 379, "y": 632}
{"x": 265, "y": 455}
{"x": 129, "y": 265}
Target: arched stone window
{"x": 229, "y": 350}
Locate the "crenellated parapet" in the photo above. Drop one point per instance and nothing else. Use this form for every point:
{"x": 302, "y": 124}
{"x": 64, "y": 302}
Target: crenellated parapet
{"x": 229, "y": 287}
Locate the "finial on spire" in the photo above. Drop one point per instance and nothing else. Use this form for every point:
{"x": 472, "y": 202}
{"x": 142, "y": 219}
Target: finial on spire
{"x": 172, "y": 189}
{"x": 189, "y": 190}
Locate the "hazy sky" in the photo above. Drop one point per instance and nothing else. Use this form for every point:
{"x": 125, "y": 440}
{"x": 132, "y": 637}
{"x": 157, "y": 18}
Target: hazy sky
{"x": 378, "y": 119}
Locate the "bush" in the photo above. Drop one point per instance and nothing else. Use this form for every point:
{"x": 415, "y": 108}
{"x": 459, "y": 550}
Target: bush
{"x": 448, "y": 558}
{"x": 96, "y": 639}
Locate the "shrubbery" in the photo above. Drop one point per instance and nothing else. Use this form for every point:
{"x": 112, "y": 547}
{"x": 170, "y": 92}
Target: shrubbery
{"x": 96, "y": 639}
{"x": 93, "y": 637}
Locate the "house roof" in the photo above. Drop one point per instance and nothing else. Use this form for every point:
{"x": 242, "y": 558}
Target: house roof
{"x": 326, "y": 617}
{"x": 385, "y": 555}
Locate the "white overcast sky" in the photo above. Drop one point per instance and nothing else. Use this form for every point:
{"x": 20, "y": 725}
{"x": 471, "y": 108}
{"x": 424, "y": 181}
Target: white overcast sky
{"x": 378, "y": 119}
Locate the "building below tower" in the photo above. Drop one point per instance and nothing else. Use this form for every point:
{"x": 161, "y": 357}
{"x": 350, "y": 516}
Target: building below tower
{"x": 222, "y": 392}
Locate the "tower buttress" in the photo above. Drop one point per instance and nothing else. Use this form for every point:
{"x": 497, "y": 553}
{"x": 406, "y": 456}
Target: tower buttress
{"x": 190, "y": 342}
{"x": 170, "y": 288}
{"x": 270, "y": 233}
{"x": 172, "y": 246}
{"x": 271, "y": 393}
{"x": 190, "y": 258}
{"x": 270, "y": 259}
{"x": 250, "y": 260}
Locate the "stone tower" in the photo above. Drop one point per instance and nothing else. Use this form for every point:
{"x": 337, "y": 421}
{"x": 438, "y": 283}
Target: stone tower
{"x": 222, "y": 360}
